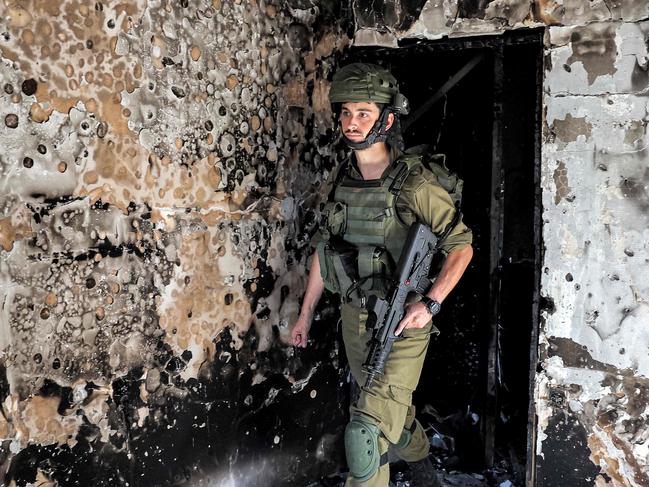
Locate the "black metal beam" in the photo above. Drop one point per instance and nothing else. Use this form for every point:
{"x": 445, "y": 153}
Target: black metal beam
{"x": 497, "y": 220}
{"x": 527, "y": 36}
{"x": 532, "y": 424}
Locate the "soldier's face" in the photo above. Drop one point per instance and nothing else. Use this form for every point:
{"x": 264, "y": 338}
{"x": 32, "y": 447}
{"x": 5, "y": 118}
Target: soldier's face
{"x": 357, "y": 119}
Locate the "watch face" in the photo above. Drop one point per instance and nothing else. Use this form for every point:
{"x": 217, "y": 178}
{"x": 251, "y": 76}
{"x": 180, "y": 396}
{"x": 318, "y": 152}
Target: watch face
{"x": 434, "y": 307}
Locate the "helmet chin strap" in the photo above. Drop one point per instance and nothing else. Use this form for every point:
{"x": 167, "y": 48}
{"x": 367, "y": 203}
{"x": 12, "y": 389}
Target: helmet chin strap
{"x": 378, "y": 133}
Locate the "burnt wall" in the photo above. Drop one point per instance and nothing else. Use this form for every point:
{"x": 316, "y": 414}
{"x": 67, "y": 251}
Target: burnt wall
{"x": 159, "y": 170}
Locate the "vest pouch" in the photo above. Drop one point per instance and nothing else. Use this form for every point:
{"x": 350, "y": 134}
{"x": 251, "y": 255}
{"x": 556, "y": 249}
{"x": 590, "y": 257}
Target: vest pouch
{"x": 375, "y": 265}
{"x": 337, "y": 266}
{"x": 384, "y": 269}
{"x": 336, "y": 217}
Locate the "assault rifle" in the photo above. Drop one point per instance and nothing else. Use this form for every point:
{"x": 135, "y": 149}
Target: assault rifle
{"x": 385, "y": 314}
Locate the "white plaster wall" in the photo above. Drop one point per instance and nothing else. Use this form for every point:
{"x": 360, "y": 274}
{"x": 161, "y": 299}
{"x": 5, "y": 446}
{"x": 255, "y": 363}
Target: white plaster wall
{"x": 595, "y": 183}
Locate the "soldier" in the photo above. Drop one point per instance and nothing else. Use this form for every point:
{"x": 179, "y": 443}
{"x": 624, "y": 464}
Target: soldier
{"x": 372, "y": 199}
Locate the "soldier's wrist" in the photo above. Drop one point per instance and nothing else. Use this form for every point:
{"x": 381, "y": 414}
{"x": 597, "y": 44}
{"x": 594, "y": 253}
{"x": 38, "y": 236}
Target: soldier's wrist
{"x": 432, "y": 306}
{"x": 306, "y": 318}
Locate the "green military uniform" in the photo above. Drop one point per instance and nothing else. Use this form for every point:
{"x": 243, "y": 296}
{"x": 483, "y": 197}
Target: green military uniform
{"x": 368, "y": 224}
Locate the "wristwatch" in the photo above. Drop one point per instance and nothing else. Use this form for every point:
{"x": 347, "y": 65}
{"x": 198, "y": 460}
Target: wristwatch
{"x": 432, "y": 306}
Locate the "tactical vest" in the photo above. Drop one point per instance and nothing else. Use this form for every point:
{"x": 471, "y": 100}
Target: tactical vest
{"x": 366, "y": 233}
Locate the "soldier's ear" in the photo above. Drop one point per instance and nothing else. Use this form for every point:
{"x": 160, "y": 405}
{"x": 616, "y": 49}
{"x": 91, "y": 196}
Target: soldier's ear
{"x": 390, "y": 121}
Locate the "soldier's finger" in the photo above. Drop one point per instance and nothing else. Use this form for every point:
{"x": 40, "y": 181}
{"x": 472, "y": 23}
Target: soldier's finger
{"x": 401, "y": 326}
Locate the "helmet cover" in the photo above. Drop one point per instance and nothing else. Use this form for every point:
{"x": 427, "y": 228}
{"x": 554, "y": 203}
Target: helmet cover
{"x": 366, "y": 82}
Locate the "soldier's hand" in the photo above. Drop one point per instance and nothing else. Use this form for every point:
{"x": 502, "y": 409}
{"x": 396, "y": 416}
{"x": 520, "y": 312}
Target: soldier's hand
{"x": 300, "y": 332}
{"x": 417, "y": 316}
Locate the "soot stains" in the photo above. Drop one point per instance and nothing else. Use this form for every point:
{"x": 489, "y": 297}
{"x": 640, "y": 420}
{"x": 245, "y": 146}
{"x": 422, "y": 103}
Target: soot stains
{"x": 566, "y": 456}
{"x": 218, "y": 424}
{"x": 635, "y": 189}
{"x": 575, "y": 355}
{"x": 595, "y": 46}
{"x": 92, "y": 297}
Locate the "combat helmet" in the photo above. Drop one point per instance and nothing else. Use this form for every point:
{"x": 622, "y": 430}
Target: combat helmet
{"x": 370, "y": 83}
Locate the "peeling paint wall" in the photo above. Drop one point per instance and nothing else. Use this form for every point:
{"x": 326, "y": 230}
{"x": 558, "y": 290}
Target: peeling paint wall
{"x": 156, "y": 198}
{"x": 592, "y": 390}
{"x": 595, "y": 339}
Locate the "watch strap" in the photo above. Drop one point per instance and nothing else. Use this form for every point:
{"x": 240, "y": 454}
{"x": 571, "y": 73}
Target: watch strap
{"x": 431, "y": 305}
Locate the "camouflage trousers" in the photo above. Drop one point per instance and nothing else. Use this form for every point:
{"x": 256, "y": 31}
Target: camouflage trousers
{"x": 388, "y": 402}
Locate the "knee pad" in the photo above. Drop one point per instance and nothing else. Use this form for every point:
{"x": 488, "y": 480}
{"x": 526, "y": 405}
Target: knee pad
{"x": 362, "y": 448}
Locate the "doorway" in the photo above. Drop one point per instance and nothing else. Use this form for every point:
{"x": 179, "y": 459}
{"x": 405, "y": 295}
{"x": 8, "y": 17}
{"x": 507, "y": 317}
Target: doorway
{"x": 477, "y": 384}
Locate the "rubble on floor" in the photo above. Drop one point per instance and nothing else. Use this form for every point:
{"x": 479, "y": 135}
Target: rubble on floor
{"x": 448, "y": 437}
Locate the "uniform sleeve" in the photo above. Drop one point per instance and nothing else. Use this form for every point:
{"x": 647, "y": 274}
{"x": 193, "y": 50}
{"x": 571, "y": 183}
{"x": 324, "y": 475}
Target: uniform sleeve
{"x": 432, "y": 205}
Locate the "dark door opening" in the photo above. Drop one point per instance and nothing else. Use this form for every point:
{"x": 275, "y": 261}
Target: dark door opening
{"x": 477, "y": 381}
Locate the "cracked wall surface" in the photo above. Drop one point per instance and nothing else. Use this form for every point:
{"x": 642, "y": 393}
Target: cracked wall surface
{"x": 592, "y": 393}
{"x": 159, "y": 172}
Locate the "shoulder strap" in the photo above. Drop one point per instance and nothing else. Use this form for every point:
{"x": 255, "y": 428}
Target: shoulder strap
{"x": 400, "y": 173}
{"x": 342, "y": 170}
{"x": 395, "y": 180}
